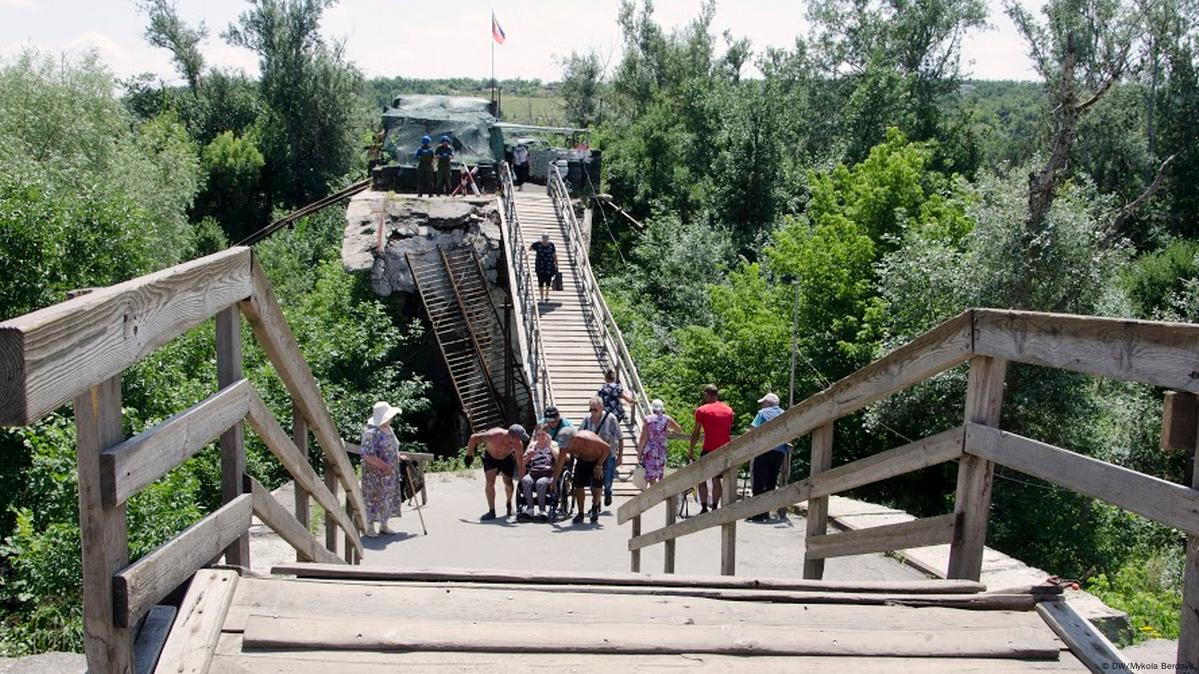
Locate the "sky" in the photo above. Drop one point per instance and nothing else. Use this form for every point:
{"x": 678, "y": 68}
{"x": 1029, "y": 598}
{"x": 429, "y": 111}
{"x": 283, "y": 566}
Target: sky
{"x": 422, "y": 39}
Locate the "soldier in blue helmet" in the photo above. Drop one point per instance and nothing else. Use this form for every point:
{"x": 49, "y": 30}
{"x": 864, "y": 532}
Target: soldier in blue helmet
{"x": 444, "y": 153}
{"x": 424, "y": 167}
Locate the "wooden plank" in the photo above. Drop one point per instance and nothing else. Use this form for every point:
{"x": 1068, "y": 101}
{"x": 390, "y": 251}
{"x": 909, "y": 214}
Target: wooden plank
{"x": 817, "y": 517}
{"x": 901, "y": 536}
{"x": 1159, "y": 500}
{"x": 635, "y": 555}
{"x": 276, "y": 439}
{"x": 105, "y": 536}
{"x": 648, "y": 605}
{"x": 330, "y": 478}
{"x": 670, "y": 549}
{"x": 145, "y": 582}
{"x": 134, "y": 464}
{"x": 972, "y": 499}
{"x": 58, "y": 353}
{"x": 728, "y": 530}
{"x": 233, "y": 441}
{"x": 930, "y": 451}
{"x": 403, "y": 574}
{"x": 152, "y": 637}
{"x": 935, "y": 351}
{"x": 264, "y": 631}
{"x": 289, "y": 528}
{"x": 1084, "y": 641}
{"x": 275, "y": 335}
{"x": 299, "y": 436}
{"x": 193, "y": 639}
{"x": 1180, "y": 421}
{"x": 1161, "y": 354}
{"x": 232, "y": 657}
{"x": 1188, "y": 627}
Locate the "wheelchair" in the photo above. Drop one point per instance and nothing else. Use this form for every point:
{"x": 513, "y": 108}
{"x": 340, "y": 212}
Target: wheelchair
{"x": 559, "y": 501}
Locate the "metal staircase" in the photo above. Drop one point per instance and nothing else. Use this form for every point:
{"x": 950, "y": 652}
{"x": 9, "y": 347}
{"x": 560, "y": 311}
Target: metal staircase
{"x": 473, "y": 338}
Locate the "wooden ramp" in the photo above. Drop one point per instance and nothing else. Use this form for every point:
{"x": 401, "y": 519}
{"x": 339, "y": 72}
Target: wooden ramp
{"x": 575, "y": 355}
{"x": 366, "y": 619}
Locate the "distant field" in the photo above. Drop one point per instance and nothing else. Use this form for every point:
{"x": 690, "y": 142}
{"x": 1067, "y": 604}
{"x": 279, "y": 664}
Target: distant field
{"x": 541, "y": 110}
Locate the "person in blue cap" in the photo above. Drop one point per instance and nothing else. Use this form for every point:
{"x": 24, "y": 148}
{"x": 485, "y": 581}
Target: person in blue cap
{"x": 424, "y": 167}
{"x": 444, "y": 154}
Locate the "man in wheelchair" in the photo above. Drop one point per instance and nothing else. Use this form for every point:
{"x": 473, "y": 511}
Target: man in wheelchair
{"x": 590, "y": 451}
{"x": 539, "y": 461}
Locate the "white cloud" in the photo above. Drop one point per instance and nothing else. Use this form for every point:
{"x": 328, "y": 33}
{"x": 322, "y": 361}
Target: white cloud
{"x": 16, "y": 3}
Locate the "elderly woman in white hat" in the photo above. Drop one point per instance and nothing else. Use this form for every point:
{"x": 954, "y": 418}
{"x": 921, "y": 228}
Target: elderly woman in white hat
{"x": 381, "y": 469}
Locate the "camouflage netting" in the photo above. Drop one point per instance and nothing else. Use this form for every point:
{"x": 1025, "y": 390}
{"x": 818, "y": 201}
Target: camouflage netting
{"x": 466, "y": 121}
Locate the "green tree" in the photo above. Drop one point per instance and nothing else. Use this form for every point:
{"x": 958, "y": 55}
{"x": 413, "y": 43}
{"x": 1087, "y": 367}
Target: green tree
{"x": 167, "y": 31}
{"x": 581, "y": 81}
{"x": 233, "y": 193}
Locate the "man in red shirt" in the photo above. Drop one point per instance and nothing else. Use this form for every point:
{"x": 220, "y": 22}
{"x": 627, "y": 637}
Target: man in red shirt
{"x": 715, "y": 420}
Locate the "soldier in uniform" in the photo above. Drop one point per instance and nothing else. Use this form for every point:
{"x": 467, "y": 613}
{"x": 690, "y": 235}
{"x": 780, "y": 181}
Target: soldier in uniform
{"x": 424, "y": 167}
{"x": 444, "y": 153}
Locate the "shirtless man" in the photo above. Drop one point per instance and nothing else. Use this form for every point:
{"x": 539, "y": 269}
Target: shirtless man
{"x": 504, "y": 453}
{"x": 590, "y": 452}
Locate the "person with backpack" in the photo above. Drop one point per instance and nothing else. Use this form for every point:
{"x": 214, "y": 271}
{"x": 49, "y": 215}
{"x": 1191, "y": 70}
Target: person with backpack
{"x": 604, "y": 424}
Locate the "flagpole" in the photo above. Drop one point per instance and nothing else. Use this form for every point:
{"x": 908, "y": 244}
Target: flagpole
{"x": 493, "y": 56}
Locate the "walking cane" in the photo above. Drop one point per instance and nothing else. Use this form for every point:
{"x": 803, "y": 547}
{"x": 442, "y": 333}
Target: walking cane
{"x": 411, "y": 481}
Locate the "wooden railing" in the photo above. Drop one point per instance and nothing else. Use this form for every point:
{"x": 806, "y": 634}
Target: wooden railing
{"x": 76, "y": 352}
{"x": 1160, "y": 354}
{"x": 523, "y": 290}
{"x": 595, "y": 309}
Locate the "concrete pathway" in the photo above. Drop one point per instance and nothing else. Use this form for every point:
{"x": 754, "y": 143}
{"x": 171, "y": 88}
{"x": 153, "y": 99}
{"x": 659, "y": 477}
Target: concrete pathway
{"x": 458, "y": 539}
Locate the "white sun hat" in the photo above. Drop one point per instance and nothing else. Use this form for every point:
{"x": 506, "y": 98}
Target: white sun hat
{"x": 381, "y": 414}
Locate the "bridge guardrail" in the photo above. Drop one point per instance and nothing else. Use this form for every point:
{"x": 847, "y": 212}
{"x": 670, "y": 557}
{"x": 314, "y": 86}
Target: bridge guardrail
{"x": 1159, "y": 354}
{"x": 524, "y": 296}
{"x": 45, "y": 362}
{"x": 596, "y": 308}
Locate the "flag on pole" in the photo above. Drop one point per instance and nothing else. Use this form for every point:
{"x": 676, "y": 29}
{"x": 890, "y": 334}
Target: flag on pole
{"x": 496, "y": 31}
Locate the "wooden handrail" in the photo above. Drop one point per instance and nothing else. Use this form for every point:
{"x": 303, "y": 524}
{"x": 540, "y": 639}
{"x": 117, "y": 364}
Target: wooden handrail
{"x": 274, "y": 334}
{"x": 935, "y": 351}
{"x": 78, "y": 349}
{"x": 54, "y": 354}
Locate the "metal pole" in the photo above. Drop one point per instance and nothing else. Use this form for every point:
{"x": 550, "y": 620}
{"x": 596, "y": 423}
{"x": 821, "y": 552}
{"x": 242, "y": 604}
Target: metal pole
{"x": 785, "y": 474}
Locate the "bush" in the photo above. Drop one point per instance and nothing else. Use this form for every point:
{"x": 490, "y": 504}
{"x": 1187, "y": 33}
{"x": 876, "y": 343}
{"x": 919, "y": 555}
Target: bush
{"x": 1149, "y": 589}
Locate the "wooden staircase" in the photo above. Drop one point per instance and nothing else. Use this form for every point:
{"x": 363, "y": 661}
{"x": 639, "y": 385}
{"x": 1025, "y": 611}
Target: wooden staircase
{"x": 471, "y": 334}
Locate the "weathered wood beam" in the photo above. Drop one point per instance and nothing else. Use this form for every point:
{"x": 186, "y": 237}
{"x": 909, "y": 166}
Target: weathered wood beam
{"x": 276, "y": 439}
{"x": 193, "y": 639}
{"x": 816, "y": 521}
{"x": 134, "y": 464}
{"x": 550, "y": 578}
{"x": 1171, "y": 504}
{"x": 145, "y": 582}
{"x": 406, "y": 634}
{"x": 288, "y": 527}
{"x": 233, "y": 441}
{"x": 1180, "y": 421}
{"x": 886, "y": 538}
{"x": 104, "y": 531}
{"x": 937, "y": 350}
{"x": 1161, "y": 354}
{"x": 930, "y": 451}
{"x": 152, "y": 637}
{"x": 972, "y": 498}
{"x": 55, "y": 354}
{"x": 1082, "y": 638}
{"x": 274, "y": 334}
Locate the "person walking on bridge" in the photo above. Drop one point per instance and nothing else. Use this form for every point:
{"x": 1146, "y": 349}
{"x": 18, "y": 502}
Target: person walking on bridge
{"x": 520, "y": 165}
{"x": 715, "y": 420}
{"x": 443, "y": 154}
{"x": 380, "y": 475}
{"x": 651, "y": 446}
{"x": 614, "y": 397}
{"x": 424, "y": 167}
{"x": 589, "y": 451}
{"x": 545, "y": 264}
{"x": 503, "y": 454}
{"x": 766, "y": 466}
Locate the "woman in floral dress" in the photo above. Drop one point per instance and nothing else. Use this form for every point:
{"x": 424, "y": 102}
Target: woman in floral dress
{"x": 651, "y": 446}
{"x": 380, "y": 469}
